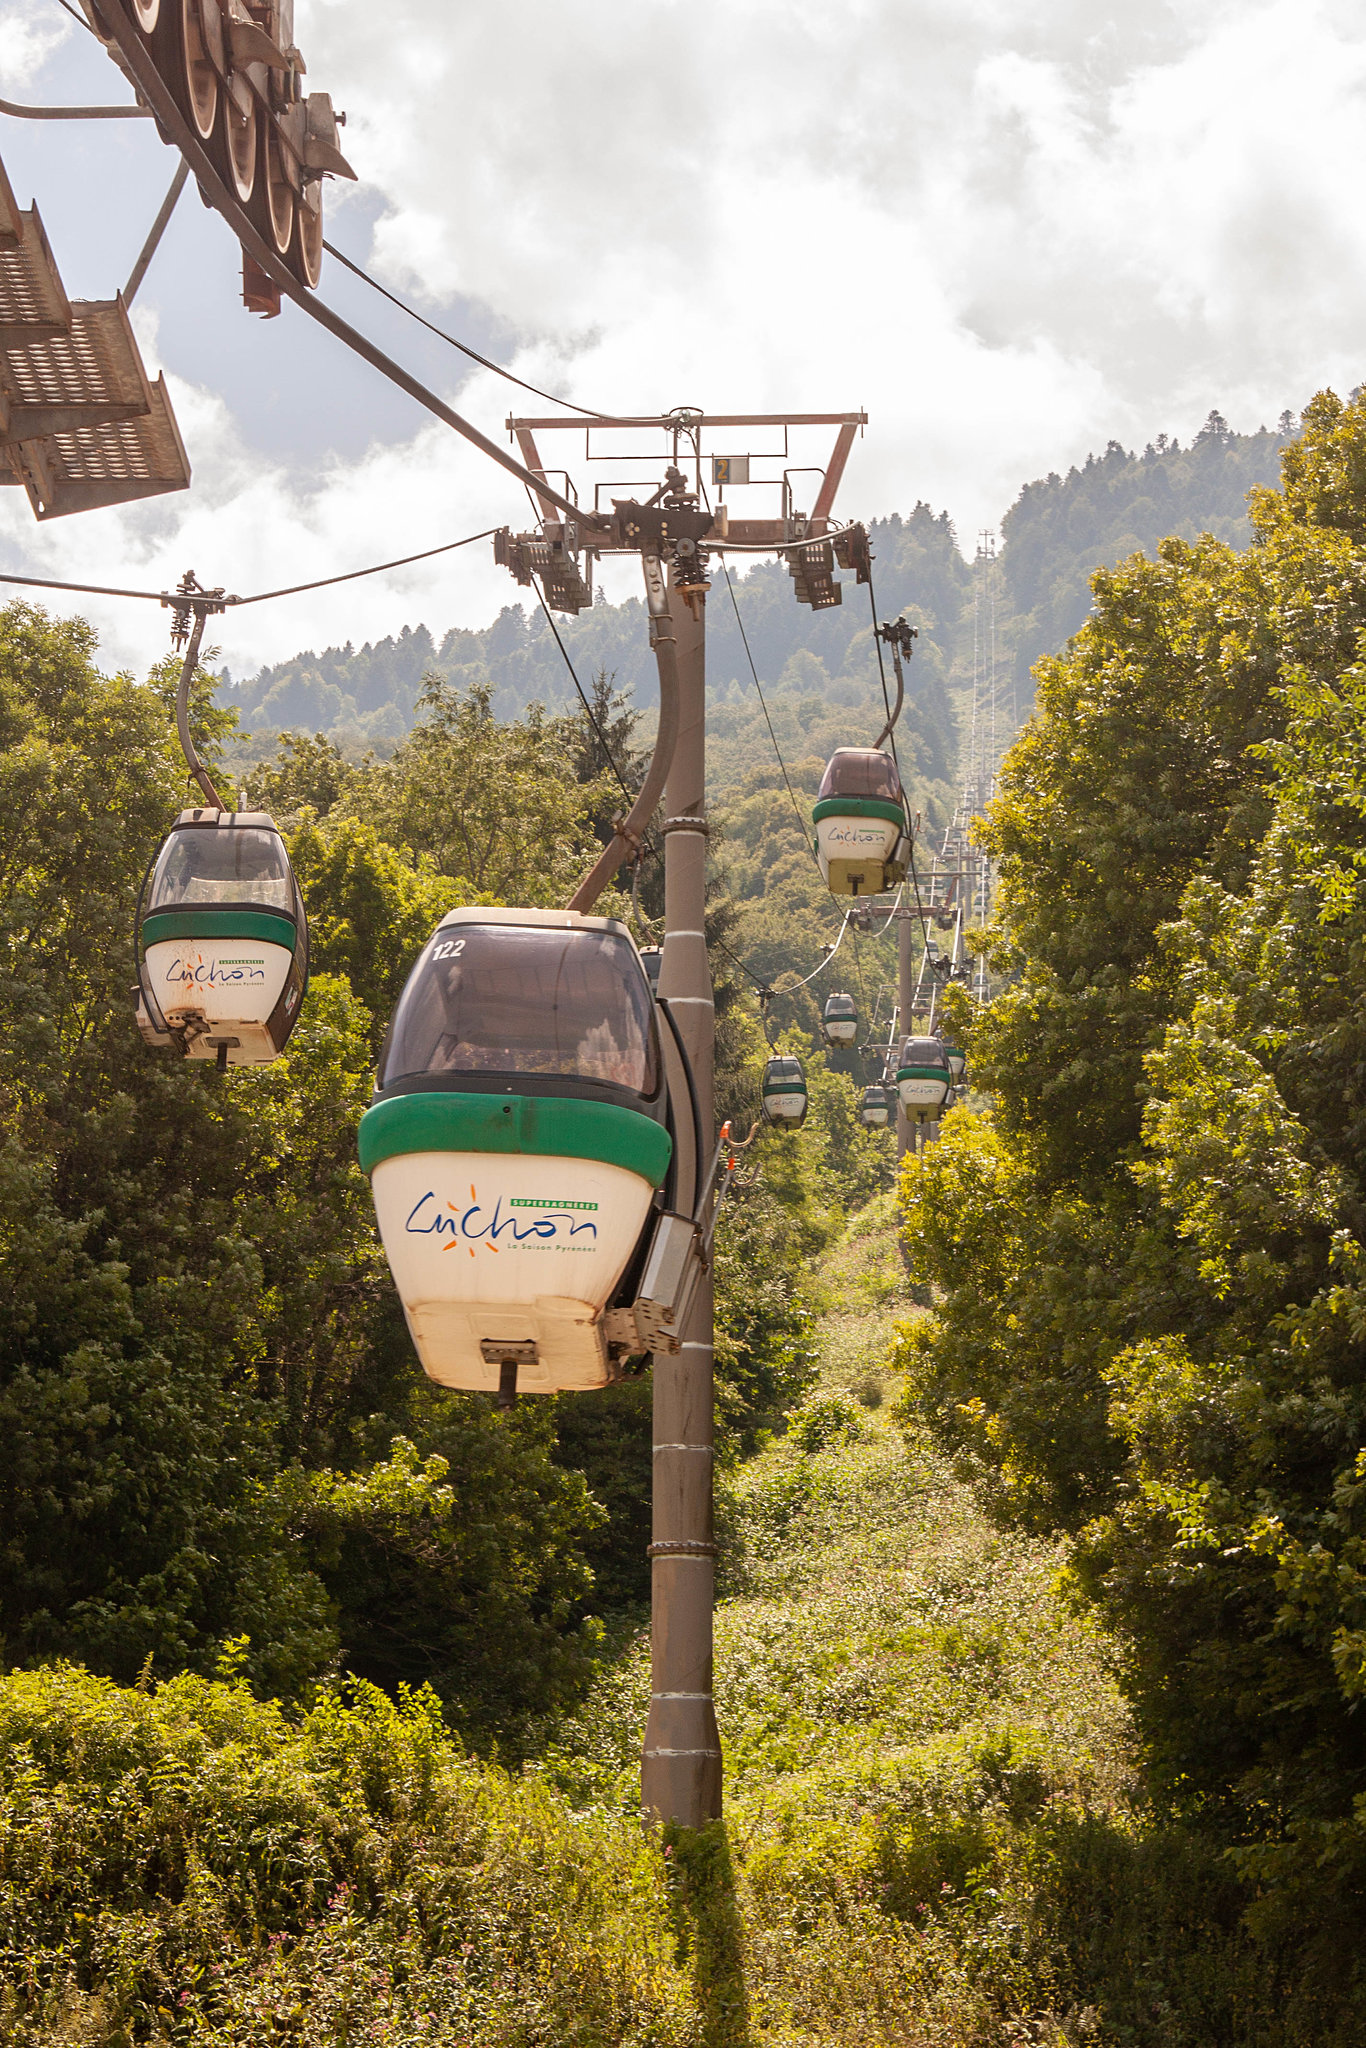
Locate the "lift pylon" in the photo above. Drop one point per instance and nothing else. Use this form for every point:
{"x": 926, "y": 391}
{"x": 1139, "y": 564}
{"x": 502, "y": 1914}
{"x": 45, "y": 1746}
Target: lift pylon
{"x": 676, "y": 525}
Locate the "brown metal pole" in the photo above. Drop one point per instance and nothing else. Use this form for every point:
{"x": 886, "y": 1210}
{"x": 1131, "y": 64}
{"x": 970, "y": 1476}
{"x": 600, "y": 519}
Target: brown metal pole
{"x": 681, "y": 1763}
{"x": 905, "y": 997}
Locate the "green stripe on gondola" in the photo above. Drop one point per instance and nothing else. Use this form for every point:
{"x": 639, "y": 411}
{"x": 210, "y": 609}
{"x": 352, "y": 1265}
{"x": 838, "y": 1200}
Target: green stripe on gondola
{"x": 923, "y": 1074}
{"x": 208, "y": 922}
{"x": 859, "y": 807}
{"x": 545, "y": 1126}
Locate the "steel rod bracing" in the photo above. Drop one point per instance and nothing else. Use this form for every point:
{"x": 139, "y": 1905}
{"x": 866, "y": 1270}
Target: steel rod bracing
{"x": 182, "y": 713}
{"x": 628, "y": 832}
{"x": 158, "y": 229}
{"x": 159, "y": 97}
{"x": 722, "y": 546}
{"x": 21, "y": 113}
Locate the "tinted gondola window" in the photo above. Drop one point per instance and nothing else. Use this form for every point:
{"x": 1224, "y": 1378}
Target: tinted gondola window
{"x": 526, "y": 999}
{"x": 862, "y": 772}
{"x": 223, "y": 864}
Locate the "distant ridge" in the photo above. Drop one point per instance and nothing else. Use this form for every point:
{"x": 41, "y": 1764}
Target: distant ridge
{"x": 1057, "y": 532}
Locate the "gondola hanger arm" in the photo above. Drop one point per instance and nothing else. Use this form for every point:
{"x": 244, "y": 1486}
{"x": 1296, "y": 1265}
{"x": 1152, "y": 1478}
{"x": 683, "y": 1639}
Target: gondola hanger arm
{"x": 628, "y": 833}
{"x": 192, "y": 600}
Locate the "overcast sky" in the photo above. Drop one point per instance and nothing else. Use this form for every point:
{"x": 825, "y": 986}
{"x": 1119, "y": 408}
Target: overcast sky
{"x": 1009, "y": 234}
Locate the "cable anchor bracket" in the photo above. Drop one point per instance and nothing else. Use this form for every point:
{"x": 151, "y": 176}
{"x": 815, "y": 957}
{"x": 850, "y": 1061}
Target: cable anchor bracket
{"x": 190, "y": 600}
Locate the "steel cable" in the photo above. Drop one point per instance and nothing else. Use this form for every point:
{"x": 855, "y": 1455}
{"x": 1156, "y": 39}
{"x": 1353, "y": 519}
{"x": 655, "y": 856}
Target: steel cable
{"x": 584, "y": 411}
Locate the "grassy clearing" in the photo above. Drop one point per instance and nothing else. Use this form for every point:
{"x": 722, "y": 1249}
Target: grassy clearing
{"x": 935, "y": 1830}
{"x": 874, "y": 1631}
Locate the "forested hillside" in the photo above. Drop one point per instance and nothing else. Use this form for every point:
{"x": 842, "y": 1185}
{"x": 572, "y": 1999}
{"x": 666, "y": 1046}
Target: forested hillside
{"x": 1058, "y": 531}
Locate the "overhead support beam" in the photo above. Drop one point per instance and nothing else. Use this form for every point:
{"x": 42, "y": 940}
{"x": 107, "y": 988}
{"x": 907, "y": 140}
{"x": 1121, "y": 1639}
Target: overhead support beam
{"x": 136, "y": 61}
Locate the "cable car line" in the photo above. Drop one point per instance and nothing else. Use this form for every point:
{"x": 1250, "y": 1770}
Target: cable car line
{"x": 744, "y": 637}
{"x": 585, "y": 411}
{"x": 882, "y": 674}
{"x": 628, "y": 834}
{"x": 76, "y": 15}
{"x": 628, "y": 793}
{"x": 376, "y": 569}
{"x": 224, "y": 601}
{"x": 793, "y": 986}
{"x": 858, "y": 977}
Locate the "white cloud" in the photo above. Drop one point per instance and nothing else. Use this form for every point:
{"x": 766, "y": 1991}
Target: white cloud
{"x": 29, "y": 34}
{"x": 1009, "y": 235}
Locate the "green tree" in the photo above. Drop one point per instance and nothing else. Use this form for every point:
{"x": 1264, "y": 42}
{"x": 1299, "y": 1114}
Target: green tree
{"x": 196, "y": 1314}
{"x": 1149, "y": 1328}
{"x": 499, "y": 806}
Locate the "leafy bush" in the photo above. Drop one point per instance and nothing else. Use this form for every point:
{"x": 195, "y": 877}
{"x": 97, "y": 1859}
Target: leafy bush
{"x": 186, "y": 1864}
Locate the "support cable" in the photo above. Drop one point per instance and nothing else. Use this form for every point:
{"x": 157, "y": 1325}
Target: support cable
{"x": 858, "y": 977}
{"x": 585, "y": 411}
{"x": 749, "y": 657}
{"x": 574, "y": 677}
{"x": 258, "y": 597}
{"x": 76, "y": 15}
{"x": 787, "y": 779}
{"x": 629, "y": 832}
{"x": 882, "y": 673}
{"x": 793, "y": 986}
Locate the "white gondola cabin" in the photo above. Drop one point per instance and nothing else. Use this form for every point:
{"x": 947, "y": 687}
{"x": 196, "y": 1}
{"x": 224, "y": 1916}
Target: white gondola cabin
{"x": 839, "y": 1019}
{"x": 875, "y": 1107}
{"x": 923, "y": 1080}
{"x": 860, "y": 820}
{"x": 516, "y": 1143}
{"x": 784, "y": 1092}
{"x": 222, "y": 943}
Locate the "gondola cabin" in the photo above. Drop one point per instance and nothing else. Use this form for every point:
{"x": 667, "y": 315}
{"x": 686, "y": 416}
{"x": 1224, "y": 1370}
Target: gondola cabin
{"x": 860, "y": 820}
{"x": 222, "y": 942}
{"x": 652, "y": 959}
{"x": 875, "y": 1108}
{"x": 839, "y": 1020}
{"x": 784, "y": 1092}
{"x": 515, "y": 1145}
{"x": 958, "y": 1062}
{"x": 923, "y": 1080}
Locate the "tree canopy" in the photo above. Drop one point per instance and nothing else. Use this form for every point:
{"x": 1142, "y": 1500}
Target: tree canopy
{"x": 1150, "y": 1331}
